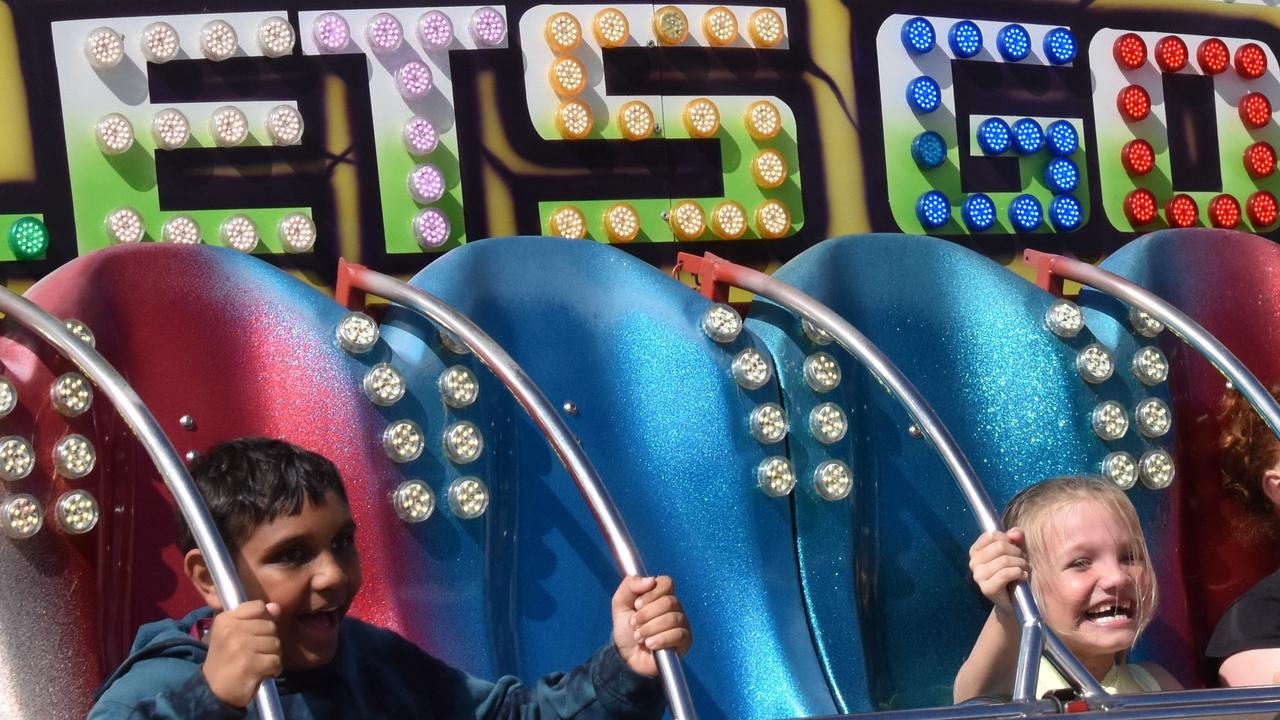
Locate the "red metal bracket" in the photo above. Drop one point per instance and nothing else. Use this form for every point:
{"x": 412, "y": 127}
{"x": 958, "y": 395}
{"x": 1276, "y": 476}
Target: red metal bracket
{"x": 343, "y": 294}
{"x": 1046, "y": 278}
{"x": 707, "y": 268}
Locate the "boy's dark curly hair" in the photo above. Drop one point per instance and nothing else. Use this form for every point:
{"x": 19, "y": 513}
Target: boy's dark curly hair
{"x": 252, "y": 481}
{"x": 1246, "y": 449}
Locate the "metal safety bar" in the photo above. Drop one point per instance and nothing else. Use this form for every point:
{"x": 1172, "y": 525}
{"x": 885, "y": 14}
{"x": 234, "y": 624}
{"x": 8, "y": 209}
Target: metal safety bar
{"x": 1035, "y": 636}
{"x": 1050, "y": 267}
{"x": 1211, "y": 703}
{"x": 562, "y": 440}
{"x": 166, "y": 459}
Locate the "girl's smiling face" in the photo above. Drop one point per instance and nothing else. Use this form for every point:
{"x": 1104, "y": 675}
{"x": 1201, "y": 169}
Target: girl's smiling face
{"x": 1092, "y": 581}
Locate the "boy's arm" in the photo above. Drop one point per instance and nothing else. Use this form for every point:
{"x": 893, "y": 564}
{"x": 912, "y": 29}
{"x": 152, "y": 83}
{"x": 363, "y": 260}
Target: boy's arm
{"x": 619, "y": 682}
{"x": 191, "y": 700}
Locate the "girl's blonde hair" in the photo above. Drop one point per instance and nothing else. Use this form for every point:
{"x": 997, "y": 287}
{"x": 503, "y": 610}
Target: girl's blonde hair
{"x": 1031, "y": 509}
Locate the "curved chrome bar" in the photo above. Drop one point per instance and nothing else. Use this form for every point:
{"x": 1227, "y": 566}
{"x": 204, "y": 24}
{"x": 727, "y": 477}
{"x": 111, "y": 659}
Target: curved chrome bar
{"x": 1211, "y": 703}
{"x": 1178, "y": 322}
{"x": 561, "y": 438}
{"x": 923, "y": 415}
{"x": 162, "y": 453}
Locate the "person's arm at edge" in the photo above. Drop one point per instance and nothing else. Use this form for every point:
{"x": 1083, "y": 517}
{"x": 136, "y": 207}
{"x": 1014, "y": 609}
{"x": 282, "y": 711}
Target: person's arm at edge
{"x": 1251, "y": 667}
{"x": 997, "y": 560}
{"x": 990, "y": 667}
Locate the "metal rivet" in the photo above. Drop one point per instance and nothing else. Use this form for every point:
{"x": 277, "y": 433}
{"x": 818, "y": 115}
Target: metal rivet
{"x": 914, "y": 431}
{"x": 651, "y": 43}
{"x": 666, "y": 215}
{"x": 657, "y": 129}
{"x": 187, "y": 422}
{"x": 192, "y": 455}
{"x": 570, "y": 408}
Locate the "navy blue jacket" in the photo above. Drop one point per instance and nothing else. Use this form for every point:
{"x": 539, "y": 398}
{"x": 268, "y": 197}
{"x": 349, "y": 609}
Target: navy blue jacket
{"x": 376, "y": 674}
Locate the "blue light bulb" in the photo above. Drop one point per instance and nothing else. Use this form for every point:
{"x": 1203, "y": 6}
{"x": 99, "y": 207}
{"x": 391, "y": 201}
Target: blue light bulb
{"x": 979, "y": 212}
{"x": 1025, "y": 213}
{"x": 933, "y": 209}
{"x": 993, "y": 136}
{"x": 1028, "y": 138}
{"x": 924, "y": 95}
{"x": 1065, "y": 213}
{"x": 1061, "y": 175}
{"x": 929, "y": 150}
{"x": 918, "y": 36}
{"x": 1062, "y": 138}
{"x": 1014, "y": 42}
{"x": 965, "y": 39}
{"x": 1060, "y": 46}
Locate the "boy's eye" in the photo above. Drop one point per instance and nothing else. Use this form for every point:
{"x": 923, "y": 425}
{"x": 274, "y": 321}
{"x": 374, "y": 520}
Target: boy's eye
{"x": 1079, "y": 563}
{"x": 344, "y": 543}
{"x": 291, "y": 556}
{"x": 1129, "y": 558}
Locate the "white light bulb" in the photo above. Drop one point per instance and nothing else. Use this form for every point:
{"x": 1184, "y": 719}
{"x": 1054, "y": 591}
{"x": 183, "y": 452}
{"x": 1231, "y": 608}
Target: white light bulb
{"x": 276, "y": 37}
{"x": 239, "y": 233}
{"x": 1094, "y": 363}
{"x": 403, "y": 441}
{"x": 21, "y": 516}
{"x": 463, "y": 442}
{"x": 114, "y": 133}
{"x": 468, "y": 497}
{"x": 413, "y": 501}
{"x": 384, "y": 385}
{"x": 1120, "y": 468}
{"x": 751, "y": 369}
{"x": 1157, "y": 469}
{"x": 821, "y": 372}
{"x": 1150, "y": 366}
{"x": 71, "y": 394}
{"x": 458, "y": 386}
{"x": 171, "y": 129}
{"x": 1143, "y": 323}
{"x": 775, "y": 476}
{"x": 8, "y": 396}
{"x": 832, "y": 480}
{"x": 722, "y": 323}
{"x": 1064, "y": 319}
{"x": 1109, "y": 420}
{"x": 77, "y": 512}
{"x": 181, "y": 230}
{"x": 828, "y": 423}
{"x": 218, "y": 40}
{"x": 160, "y": 42}
{"x": 16, "y": 458}
{"x": 296, "y": 232}
{"x": 124, "y": 225}
{"x": 74, "y": 456}
{"x": 229, "y": 126}
{"x": 357, "y": 333}
{"x": 284, "y": 125}
{"x": 104, "y": 47}
{"x": 768, "y": 423}
{"x": 1153, "y": 417}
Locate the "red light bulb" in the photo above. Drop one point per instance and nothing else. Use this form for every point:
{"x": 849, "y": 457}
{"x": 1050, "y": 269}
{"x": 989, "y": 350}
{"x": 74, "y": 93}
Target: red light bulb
{"x": 1262, "y": 208}
{"x": 1224, "y": 211}
{"x": 1171, "y": 53}
{"x": 1255, "y": 110}
{"x": 1213, "y": 56}
{"x": 1140, "y": 206}
{"x": 1260, "y": 159}
{"x": 1138, "y": 157}
{"x": 1181, "y": 211}
{"x": 1251, "y": 61}
{"x": 1134, "y": 103}
{"x": 1130, "y": 51}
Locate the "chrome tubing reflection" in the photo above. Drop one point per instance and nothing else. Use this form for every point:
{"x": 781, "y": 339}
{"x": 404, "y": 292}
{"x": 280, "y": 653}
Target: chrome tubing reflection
{"x": 544, "y": 415}
{"x": 144, "y": 426}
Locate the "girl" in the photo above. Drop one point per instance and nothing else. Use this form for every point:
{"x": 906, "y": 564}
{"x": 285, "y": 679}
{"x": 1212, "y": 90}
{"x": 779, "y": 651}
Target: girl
{"x": 1078, "y": 541}
{"x": 1247, "y": 640}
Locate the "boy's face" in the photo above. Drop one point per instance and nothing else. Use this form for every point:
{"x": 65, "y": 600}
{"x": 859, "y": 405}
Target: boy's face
{"x": 308, "y": 564}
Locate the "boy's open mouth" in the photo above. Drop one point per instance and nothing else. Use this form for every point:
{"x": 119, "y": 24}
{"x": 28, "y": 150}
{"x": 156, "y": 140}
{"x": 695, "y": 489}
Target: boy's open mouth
{"x": 1109, "y": 612}
{"x": 320, "y": 622}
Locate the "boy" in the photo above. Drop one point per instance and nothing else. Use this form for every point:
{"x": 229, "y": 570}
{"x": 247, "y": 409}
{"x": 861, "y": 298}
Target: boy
{"x": 283, "y": 513}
